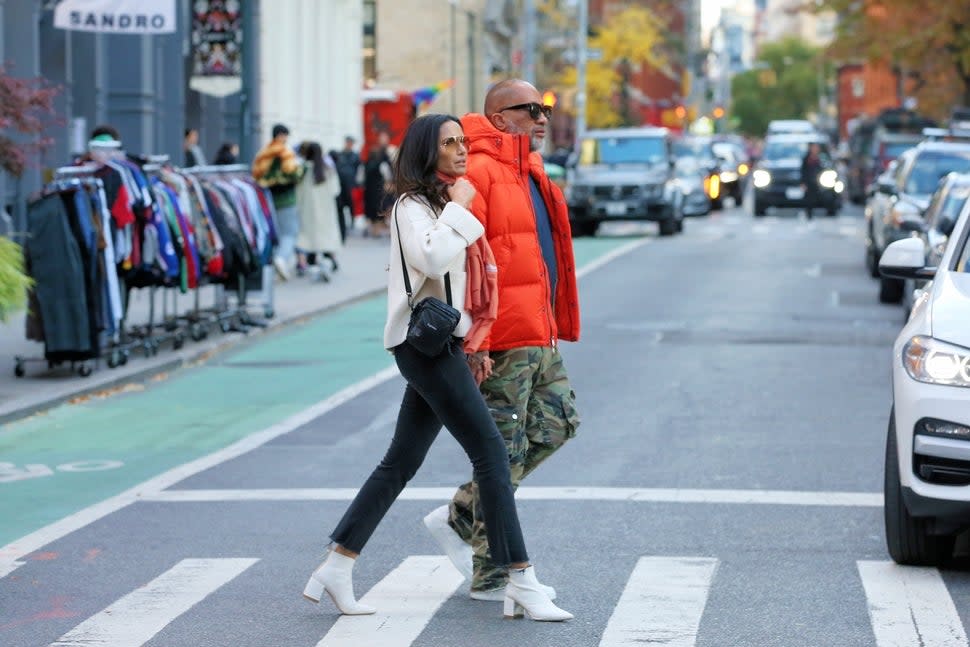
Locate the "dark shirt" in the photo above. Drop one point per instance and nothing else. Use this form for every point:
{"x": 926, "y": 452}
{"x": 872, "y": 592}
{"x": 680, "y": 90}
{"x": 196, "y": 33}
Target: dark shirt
{"x": 544, "y": 229}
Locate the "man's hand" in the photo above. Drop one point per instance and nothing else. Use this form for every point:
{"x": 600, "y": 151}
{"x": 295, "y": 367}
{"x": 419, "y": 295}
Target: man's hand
{"x": 481, "y": 365}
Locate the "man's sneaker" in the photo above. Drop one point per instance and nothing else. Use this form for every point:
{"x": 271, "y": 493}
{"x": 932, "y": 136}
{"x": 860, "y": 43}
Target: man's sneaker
{"x": 498, "y": 595}
{"x": 457, "y": 550}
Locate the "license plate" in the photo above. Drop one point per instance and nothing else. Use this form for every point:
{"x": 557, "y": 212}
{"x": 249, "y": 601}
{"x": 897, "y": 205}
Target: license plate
{"x": 615, "y": 208}
{"x": 794, "y": 193}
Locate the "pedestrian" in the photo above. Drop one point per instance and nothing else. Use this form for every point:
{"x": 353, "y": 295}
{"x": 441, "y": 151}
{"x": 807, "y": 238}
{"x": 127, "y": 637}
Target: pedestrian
{"x": 431, "y": 229}
{"x": 348, "y": 167}
{"x": 278, "y": 168}
{"x": 377, "y": 179}
{"x": 811, "y": 169}
{"x": 528, "y": 392}
{"x": 191, "y": 149}
{"x": 228, "y": 153}
{"x": 316, "y": 202}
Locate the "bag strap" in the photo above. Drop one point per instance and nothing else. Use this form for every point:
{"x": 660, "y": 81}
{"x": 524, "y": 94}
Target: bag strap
{"x": 404, "y": 266}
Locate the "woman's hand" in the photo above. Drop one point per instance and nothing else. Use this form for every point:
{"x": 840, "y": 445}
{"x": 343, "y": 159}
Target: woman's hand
{"x": 462, "y": 192}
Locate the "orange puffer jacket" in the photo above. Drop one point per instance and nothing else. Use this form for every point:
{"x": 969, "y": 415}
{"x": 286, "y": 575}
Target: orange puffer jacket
{"x": 499, "y": 165}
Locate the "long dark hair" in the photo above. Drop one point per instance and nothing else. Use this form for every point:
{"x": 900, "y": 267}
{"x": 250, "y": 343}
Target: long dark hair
{"x": 313, "y": 152}
{"x": 417, "y": 160}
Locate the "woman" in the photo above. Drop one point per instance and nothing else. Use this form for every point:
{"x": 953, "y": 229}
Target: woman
{"x": 228, "y": 153}
{"x": 316, "y": 200}
{"x": 436, "y": 227}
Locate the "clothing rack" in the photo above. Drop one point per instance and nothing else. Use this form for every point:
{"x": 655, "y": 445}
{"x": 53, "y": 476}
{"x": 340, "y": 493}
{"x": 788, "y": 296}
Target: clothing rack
{"x": 239, "y": 319}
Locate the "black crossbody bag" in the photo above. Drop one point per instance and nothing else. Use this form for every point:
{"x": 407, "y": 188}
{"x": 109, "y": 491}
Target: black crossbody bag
{"x": 432, "y": 320}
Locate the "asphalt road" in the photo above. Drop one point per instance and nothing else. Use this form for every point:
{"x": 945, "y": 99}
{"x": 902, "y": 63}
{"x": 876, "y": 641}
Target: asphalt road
{"x": 724, "y": 489}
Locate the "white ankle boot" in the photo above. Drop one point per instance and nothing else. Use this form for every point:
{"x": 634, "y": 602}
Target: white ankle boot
{"x": 334, "y": 576}
{"x": 524, "y": 595}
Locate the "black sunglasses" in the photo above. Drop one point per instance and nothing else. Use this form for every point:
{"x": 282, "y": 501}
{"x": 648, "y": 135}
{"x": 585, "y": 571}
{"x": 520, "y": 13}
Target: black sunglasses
{"x": 535, "y": 109}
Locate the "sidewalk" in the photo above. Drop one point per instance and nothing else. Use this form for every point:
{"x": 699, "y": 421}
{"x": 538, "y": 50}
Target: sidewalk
{"x": 362, "y": 273}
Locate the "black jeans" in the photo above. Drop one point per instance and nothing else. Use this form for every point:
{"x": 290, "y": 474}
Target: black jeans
{"x": 440, "y": 390}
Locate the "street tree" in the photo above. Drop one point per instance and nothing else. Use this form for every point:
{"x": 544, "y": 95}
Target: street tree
{"x": 631, "y": 37}
{"x": 928, "y": 45}
{"x": 783, "y": 84}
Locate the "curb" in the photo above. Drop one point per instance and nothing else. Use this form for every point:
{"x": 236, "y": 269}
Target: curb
{"x": 195, "y": 358}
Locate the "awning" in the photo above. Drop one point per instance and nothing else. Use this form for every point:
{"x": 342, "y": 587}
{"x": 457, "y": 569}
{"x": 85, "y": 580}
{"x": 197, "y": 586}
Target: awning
{"x": 116, "y": 16}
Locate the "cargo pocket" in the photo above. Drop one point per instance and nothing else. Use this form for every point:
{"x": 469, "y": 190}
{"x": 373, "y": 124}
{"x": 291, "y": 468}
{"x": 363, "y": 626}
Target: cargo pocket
{"x": 570, "y": 416}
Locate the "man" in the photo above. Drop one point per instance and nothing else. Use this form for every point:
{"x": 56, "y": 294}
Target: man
{"x": 348, "y": 165}
{"x": 528, "y": 392}
{"x": 278, "y": 168}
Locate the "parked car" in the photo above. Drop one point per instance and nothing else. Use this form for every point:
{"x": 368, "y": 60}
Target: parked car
{"x": 927, "y": 470}
{"x": 690, "y": 177}
{"x": 895, "y": 208}
{"x": 777, "y": 175}
{"x": 876, "y": 142}
{"x": 624, "y": 174}
{"x": 939, "y": 218}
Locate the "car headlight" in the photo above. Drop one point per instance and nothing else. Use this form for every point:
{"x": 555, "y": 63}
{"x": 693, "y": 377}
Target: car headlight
{"x": 828, "y": 178}
{"x": 761, "y": 178}
{"x": 936, "y": 362}
{"x": 728, "y": 176}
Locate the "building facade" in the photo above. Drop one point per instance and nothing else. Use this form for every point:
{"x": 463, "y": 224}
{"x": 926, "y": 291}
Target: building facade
{"x": 301, "y": 65}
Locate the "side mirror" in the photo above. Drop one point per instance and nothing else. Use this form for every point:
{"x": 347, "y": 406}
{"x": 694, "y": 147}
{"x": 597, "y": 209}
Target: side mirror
{"x": 906, "y": 259}
{"x": 886, "y": 188}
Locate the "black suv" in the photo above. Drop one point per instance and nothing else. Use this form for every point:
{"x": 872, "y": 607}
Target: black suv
{"x": 624, "y": 174}
{"x": 777, "y": 176}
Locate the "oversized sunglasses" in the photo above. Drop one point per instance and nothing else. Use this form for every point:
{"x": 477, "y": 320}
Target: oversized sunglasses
{"x": 535, "y": 109}
{"x": 449, "y": 142}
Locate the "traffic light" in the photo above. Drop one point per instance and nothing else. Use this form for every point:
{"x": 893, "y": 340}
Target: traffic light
{"x": 681, "y": 112}
{"x": 718, "y": 112}
{"x": 549, "y": 98}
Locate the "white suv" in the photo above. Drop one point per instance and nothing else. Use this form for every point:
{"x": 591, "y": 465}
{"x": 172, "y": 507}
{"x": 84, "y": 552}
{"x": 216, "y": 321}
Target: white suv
{"x": 927, "y": 481}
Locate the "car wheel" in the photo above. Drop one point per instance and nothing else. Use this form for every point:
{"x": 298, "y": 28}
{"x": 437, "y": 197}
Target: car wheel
{"x": 872, "y": 261}
{"x": 668, "y": 227}
{"x": 680, "y": 225}
{"x": 738, "y": 197}
{"x": 890, "y": 290}
{"x": 908, "y": 538}
{"x": 832, "y": 211}
{"x": 759, "y": 209}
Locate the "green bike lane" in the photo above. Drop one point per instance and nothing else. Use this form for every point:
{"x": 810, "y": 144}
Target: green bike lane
{"x": 55, "y": 464}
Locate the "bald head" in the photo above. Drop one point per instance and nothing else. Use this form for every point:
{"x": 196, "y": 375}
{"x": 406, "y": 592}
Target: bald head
{"x": 509, "y": 92}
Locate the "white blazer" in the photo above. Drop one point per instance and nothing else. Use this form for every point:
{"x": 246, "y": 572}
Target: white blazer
{"x": 433, "y": 245}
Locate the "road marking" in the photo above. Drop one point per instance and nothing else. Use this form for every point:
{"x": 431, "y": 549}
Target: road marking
{"x": 527, "y": 493}
{"x": 137, "y": 617}
{"x": 910, "y": 606}
{"x": 12, "y": 554}
{"x": 406, "y": 600}
{"x": 662, "y": 603}
{"x": 609, "y": 256}
{"x": 9, "y": 472}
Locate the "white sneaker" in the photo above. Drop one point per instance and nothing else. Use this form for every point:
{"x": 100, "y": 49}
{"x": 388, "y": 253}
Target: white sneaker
{"x": 281, "y": 269}
{"x": 457, "y": 550}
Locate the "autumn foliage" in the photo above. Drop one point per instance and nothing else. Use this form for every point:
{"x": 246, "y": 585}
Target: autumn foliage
{"x": 25, "y": 110}
{"x": 928, "y": 44}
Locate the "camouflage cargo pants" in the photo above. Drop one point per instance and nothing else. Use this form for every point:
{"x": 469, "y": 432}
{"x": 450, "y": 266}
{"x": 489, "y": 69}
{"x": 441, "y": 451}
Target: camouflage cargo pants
{"x": 534, "y": 408}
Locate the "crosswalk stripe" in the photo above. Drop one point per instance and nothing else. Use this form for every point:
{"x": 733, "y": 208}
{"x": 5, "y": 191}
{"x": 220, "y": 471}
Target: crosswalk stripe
{"x": 910, "y": 606}
{"x": 528, "y": 493}
{"x": 405, "y": 600}
{"x": 134, "y": 619}
{"x": 662, "y": 603}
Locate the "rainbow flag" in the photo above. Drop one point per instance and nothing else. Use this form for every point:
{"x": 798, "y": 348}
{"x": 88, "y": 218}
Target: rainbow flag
{"x": 422, "y": 97}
